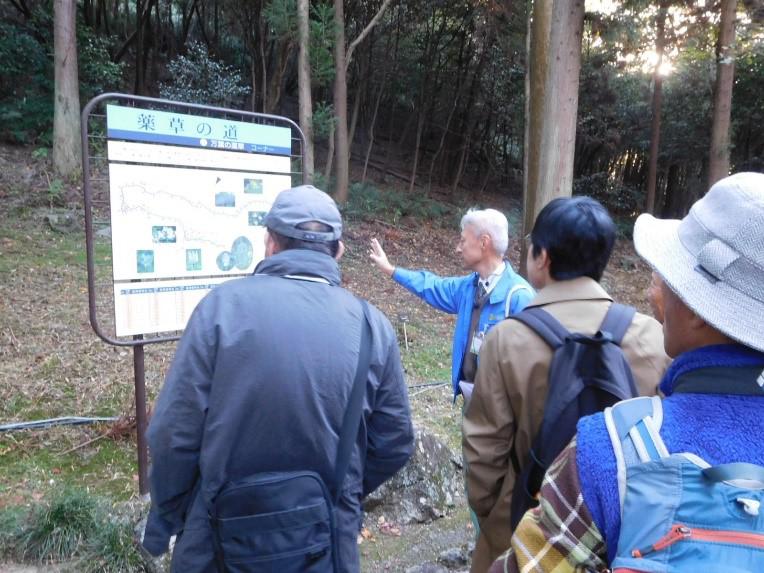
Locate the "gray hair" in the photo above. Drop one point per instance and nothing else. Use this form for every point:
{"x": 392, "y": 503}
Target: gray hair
{"x": 489, "y": 222}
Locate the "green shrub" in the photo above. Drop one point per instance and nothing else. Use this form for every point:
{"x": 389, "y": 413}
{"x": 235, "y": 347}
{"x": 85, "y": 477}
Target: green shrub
{"x": 113, "y": 550}
{"x": 26, "y": 76}
{"x": 199, "y": 78}
{"x": 620, "y": 198}
{"x": 98, "y": 74}
{"x": 26, "y": 85}
{"x": 59, "y": 528}
{"x": 323, "y": 120}
{"x": 11, "y": 519}
{"x": 367, "y": 201}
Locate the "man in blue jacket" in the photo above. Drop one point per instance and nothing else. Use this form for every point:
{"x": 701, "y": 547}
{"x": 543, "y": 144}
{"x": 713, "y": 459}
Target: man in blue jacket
{"x": 260, "y": 382}
{"x": 481, "y": 299}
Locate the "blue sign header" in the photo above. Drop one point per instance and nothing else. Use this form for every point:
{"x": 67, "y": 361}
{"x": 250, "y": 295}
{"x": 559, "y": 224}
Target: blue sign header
{"x": 149, "y": 125}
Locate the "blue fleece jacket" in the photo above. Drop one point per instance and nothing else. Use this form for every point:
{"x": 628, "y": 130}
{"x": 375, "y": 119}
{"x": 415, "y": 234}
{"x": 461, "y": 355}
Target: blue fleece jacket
{"x": 720, "y": 428}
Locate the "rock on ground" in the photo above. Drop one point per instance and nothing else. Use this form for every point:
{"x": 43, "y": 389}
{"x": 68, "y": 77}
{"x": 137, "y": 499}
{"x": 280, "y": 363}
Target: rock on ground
{"x": 425, "y": 488}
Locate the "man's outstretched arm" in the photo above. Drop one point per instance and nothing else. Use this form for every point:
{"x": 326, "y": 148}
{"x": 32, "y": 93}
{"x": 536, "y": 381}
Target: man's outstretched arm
{"x": 439, "y": 292}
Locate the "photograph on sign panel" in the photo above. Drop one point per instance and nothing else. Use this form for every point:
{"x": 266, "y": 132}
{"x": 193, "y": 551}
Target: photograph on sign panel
{"x": 253, "y": 186}
{"x": 145, "y": 261}
{"x": 257, "y": 218}
{"x": 225, "y": 199}
{"x": 163, "y": 233}
{"x": 193, "y": 259}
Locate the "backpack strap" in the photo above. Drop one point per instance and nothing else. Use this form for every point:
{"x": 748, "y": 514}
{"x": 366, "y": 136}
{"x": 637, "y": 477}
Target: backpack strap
{"x": 737, "y": 472}
{"x": 543, "y": 324}
{"x": 617, "y": 321}
{"x": 508, "y": 302}
{"x": 352, "y": 417}
{"x": 634, "y": 426}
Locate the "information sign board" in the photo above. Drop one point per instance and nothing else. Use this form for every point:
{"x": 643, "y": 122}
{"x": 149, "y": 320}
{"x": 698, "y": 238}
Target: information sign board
{"x": 188, "y": 198}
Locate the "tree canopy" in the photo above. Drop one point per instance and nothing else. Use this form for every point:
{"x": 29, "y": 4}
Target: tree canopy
{"x": 435, "y": 90}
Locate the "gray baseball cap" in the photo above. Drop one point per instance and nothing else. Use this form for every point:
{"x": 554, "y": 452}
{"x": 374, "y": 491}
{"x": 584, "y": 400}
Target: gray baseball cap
{"x": 304, "y": 204}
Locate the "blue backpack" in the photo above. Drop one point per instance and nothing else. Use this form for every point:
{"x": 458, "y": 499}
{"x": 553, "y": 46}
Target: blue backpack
{"x": 678, "y": 513}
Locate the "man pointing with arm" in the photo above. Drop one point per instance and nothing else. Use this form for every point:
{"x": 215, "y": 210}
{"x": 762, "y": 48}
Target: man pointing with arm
{"x": 481, "y": 299}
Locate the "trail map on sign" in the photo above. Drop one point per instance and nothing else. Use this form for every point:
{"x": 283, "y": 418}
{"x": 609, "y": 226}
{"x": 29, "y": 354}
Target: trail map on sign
{"x": 175, "y": 223}
{"x": 187, "y": 209}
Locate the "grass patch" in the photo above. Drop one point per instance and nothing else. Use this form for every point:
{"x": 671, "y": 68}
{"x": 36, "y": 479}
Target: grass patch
{"x": 113, "y": 550}
{"x": 40, "y": 247}
{"x": 11, "y": 519}
{"x": 428, "y": 358}
{"x": 33, "y": 462}
{"x": 58, "y": 529}
{"x": 71, "y": 525}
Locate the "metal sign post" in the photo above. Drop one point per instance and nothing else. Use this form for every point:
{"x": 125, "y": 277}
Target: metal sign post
{"x": 141, "y": 419}
{"x": 175, "y": 196}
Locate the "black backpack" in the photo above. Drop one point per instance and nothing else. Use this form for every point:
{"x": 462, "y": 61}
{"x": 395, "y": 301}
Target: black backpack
{"x": 587, "y": 374}
{"x": 285, "y": 521}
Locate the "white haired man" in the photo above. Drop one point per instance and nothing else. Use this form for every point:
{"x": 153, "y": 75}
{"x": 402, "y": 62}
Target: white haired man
{"x": 490, "y": 293}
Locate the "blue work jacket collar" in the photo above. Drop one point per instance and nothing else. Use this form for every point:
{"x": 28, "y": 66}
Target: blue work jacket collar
{"x": 501, "y": 290}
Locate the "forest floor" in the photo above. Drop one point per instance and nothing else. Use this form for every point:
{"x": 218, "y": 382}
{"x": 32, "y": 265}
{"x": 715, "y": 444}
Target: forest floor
{"x": 52, "y": 364}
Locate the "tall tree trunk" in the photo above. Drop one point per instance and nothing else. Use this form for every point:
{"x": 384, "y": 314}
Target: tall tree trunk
{"x": 539, "y": 28}
{"x": 283, "y": 50}
{"x": 67, "y": 145}
{"x": 382, "y": 86}
{"x": 303, "y": 80}
{"x": 342, "y": 59}
{"x": 341, "y": 148}
{"x": 558, "y": 137}
{"x": 655, "y": 128}
{"x": 87, "y": 12}
{"x": 156, "y": 38}
{"x": 360, "y": 90}
{"x": 719, "y": 156}
{"x": 329, "y": 156}
{"x": 264, "y": 82}
{"x": 139, "y": 47}
{"x": 216, "y": 27}
{"x": 115, "y": 11}
{"x": 419, "y": 129}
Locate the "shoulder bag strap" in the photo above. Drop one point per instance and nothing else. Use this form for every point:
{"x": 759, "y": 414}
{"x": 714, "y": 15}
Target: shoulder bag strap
{"x": 352, "y": 417}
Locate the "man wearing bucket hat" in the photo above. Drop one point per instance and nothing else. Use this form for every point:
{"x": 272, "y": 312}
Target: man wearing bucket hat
{"x": 260, "y": 383}
{"x": 675, "y": 485}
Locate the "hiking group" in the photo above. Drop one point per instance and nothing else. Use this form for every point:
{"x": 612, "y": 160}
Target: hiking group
{"x": 585, "y": 447}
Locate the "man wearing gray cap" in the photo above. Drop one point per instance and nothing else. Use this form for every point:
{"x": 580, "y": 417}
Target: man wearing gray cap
{"x": 676, "y": 485}
{"x": 261, "y": 383}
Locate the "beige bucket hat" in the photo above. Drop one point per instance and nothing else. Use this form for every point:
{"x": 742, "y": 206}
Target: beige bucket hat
{"x": 713, "y": 259}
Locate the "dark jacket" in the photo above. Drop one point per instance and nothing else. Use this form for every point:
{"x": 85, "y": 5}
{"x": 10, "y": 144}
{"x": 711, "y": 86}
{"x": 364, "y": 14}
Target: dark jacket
{"x": 260, "y": 381}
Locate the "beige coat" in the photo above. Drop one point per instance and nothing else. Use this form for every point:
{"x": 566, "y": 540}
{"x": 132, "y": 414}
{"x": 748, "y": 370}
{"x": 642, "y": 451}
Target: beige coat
{"x": 507, "y": 404}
